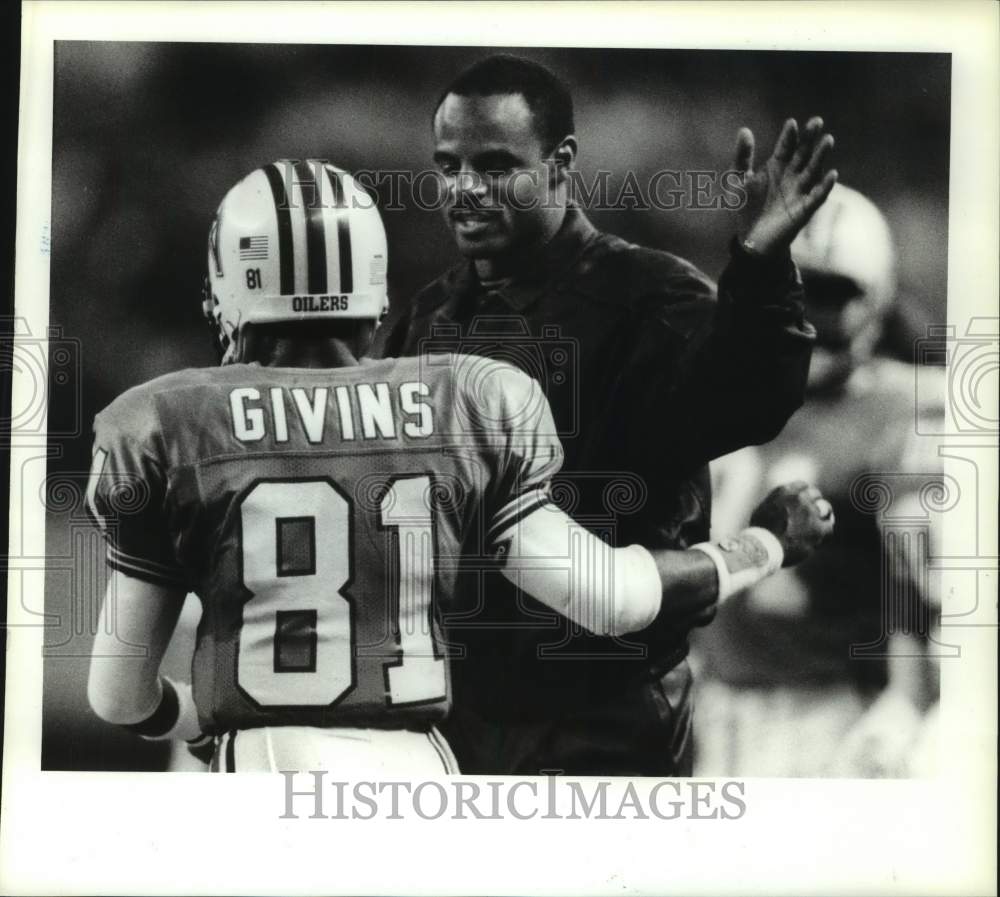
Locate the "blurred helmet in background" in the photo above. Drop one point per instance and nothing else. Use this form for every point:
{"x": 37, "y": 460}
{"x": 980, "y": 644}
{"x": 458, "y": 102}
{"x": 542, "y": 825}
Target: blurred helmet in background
{"x": 848, "y": 265}
{"x": 294, "y": 241}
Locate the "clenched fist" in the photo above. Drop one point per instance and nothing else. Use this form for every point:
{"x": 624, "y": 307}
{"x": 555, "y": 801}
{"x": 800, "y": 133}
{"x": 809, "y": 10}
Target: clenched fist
{"x": 799, "y": 516}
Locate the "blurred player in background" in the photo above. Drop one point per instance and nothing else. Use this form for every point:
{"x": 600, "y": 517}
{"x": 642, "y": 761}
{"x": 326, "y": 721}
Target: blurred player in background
{"x": 671, "y": 373}
{"x": 318, "y": 505}
{"x": 781, "y": 693}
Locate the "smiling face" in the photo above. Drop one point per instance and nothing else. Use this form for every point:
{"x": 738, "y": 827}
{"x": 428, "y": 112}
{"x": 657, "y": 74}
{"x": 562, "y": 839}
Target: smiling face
{"x": 502, "y": 195}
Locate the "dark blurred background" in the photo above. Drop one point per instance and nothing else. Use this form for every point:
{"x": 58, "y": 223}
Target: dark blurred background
{"x": 147, "y": 137}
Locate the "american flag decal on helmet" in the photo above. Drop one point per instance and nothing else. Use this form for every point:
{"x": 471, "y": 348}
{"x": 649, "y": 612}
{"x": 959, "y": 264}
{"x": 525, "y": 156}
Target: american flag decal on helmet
{"x": 252, "y": 248}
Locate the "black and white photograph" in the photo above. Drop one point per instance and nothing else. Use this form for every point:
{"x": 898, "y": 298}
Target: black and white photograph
{"x": 157, "y": 185}
{"x": 491, "y": 429}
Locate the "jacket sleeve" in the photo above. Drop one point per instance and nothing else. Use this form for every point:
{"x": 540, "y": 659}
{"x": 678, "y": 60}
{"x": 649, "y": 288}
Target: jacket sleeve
{"x": 715, "y": 372}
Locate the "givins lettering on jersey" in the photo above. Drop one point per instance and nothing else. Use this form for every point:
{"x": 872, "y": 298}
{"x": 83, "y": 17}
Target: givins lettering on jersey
{"x": 360, "y": 411}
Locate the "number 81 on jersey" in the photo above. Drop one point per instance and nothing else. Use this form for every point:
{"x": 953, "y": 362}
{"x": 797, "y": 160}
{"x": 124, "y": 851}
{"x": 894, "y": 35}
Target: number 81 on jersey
{"x": 297, "y": 640}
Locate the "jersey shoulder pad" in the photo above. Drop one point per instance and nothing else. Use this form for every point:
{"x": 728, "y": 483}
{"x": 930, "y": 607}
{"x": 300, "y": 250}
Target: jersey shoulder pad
{"x": 135, "y": 416}
{"x": 497, "y": 392}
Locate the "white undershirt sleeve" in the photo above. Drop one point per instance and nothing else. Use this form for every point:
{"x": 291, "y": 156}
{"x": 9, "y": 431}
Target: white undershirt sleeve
{"x": 606, "y": 590}
{"x": 137, "y": 620}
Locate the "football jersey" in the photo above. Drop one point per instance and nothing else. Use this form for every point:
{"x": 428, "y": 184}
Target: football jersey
{"x": 320, "y": 515}
{"x": 800, "y": 625}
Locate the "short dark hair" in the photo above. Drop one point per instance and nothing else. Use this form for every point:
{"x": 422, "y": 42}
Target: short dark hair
{"x": 547, "y": 96}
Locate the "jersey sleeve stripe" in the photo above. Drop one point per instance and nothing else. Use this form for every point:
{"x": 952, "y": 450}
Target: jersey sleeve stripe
{"x": 516, "y": 510}
{"x": 143, "y": 575}
{"x": 144, "y": 569}
{"x": 443, "y": 751}
{"x": 543, "y": 474}
{"x": 437, "y": 750}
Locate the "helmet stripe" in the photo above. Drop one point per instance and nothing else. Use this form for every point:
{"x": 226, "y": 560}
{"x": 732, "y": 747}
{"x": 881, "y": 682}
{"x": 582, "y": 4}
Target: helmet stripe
{"x": 315, "y": 230}
{"x": 286, "y": 258}
{"x": 343, "y": 231}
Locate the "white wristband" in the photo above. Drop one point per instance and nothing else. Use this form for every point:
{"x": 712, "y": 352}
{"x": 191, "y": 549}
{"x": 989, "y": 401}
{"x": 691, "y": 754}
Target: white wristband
{"x": 186, "y": 727}
{"x": 775, "y": 553}
{"x": 745, "y": 560}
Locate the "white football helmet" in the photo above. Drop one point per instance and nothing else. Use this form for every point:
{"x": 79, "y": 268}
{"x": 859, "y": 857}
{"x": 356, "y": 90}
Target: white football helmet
{"x": 848, "y": 264}
{"x": 848, "y": 236}
{"x": 294, "y": 241}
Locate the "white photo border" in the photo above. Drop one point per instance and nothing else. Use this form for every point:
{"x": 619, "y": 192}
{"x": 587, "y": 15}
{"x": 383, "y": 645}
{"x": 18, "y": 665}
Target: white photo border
{"x": 157, "y": 834}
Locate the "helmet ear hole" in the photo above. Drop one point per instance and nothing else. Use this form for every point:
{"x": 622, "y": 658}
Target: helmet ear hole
{"x": 221, "y": 346}
{"x": 207, "y": 300}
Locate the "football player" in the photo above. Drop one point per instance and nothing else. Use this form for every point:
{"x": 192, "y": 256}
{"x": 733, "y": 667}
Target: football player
{"x": 319, "y": 505}
{"x": 793, "y": 683}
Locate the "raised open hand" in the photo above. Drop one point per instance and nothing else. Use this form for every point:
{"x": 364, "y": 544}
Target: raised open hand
{"x": 783, "y": 194}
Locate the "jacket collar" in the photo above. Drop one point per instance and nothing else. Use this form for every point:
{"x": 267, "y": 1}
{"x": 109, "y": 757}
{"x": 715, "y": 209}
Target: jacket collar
{"x": 531, "y": 281}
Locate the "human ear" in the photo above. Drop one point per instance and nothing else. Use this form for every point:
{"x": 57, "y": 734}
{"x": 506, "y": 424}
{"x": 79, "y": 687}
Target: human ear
{"x": 563, "y": 157}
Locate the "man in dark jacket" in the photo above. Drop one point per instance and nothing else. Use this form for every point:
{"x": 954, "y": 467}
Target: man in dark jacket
{"x": 651, "y": 373}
